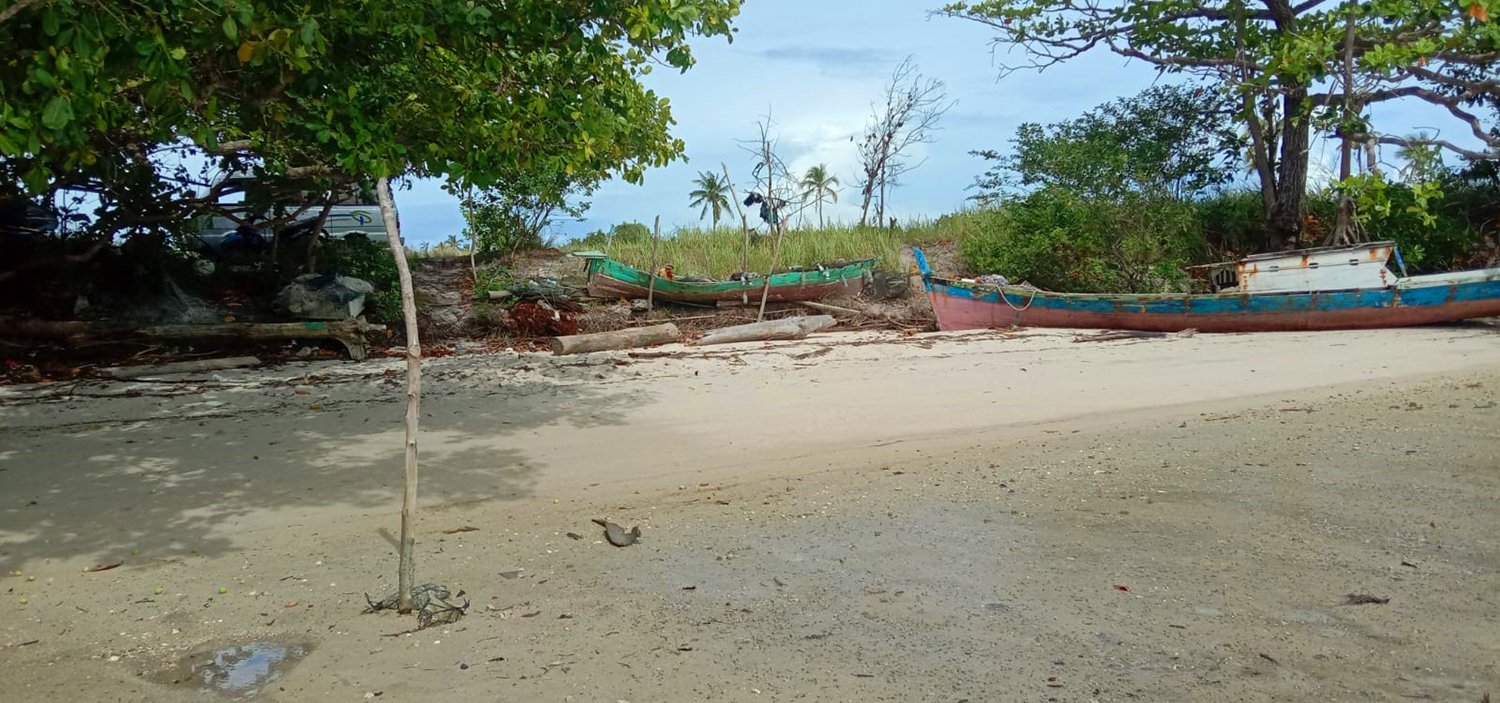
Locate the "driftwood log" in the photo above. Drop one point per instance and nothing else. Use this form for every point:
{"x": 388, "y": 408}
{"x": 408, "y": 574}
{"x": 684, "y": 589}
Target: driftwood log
{"x": 789, "y": 328}
{"x": 618, "y": 339}
{"x": 148, "y": 370}
{"x": 824, "y": 307}
{"x": 352, "y": 334}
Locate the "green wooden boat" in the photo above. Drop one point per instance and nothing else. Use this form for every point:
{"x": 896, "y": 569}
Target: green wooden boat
{"x": 611, "y": 279}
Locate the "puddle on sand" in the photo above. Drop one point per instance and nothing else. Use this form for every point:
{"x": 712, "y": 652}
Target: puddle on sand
{"x": 237, "y": 671}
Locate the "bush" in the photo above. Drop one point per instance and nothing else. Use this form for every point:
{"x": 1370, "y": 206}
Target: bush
{"x": 1444, "y": 244}
{"x": 625, "y": 233}
{"x": 1062, "y": 241}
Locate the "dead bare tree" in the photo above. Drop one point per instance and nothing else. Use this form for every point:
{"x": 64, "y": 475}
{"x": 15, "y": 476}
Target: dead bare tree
{"x": 770, "y": 169}
{"x": 913, "y": 106}
{"x": 773, "y": 181}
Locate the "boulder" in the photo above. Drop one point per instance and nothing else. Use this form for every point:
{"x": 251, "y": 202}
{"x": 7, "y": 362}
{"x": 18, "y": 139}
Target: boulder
{"x": 324, "y": 297}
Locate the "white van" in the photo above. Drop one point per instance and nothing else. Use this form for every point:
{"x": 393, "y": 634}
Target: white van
{"x": 356, "y": 212}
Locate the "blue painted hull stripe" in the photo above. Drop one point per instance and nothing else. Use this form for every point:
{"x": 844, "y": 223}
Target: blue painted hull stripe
{"x": 1323, "y": 301}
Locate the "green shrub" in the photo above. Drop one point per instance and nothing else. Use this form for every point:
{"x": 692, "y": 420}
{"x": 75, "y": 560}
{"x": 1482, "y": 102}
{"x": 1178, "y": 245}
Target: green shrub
{"x": 1061, "y": 241}
{"x": 625, "y": 233}
{"x": 1443, "y": 244}
{"x": 359, "y": 257}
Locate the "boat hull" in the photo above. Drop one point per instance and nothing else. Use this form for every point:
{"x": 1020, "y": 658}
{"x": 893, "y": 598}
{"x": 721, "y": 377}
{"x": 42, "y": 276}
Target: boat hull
{"x": 613, "y": 280}
{"x": 1414, "y": 301}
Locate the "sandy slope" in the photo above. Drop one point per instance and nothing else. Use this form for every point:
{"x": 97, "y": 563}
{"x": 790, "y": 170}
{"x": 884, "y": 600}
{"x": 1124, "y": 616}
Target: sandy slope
{"x": 859, "y": 518}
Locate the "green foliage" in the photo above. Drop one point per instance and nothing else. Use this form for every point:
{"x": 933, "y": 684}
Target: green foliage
{"x": 1172, "y": 140}
{"x": 372, "y": 261}
{"x": 490, "y": 277}
{"x": 512, "y": 215}
{"x": 467, "y": 89}
{"x": 623, "y": 234}
{"x": 1058, "y": 240}
{"x": 1280, "y": 64}
{"x": 1110, "y": 210}
{"x": 1432, "y": 229}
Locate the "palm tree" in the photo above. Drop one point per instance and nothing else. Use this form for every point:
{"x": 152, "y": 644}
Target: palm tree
{"x": 820, "y": 184}
{"x": 712, "y": 194}
{"x": 1423, "y": 160}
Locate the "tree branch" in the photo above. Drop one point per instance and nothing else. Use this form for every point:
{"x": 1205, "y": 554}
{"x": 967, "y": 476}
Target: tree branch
{"x": 1451, "y": 103}
{"x": 16, "y": 8}
{"x": 1443, "y": 143}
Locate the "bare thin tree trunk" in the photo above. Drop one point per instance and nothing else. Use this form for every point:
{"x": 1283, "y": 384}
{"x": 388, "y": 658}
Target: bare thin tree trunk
{"x": 771, "y": 188}
{"x": 413, "y": 397}
{"x": 744, "y": 222}
{"x": 765, "y": 291}
{"x": 15, "y": 8}
{"x": 864, "y": 209}
{"x": 473, "y": 245}
{"x": 1372, "y": 159}
{"x": 1260, "y": 147}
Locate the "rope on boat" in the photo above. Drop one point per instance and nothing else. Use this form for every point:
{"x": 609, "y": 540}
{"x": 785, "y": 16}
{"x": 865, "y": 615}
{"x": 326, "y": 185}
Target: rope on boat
{"x": 1023, "y": 308}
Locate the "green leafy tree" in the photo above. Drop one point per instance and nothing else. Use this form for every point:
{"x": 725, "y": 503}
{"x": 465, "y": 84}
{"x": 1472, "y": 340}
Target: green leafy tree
{"x": 1105, "y": 202}
{"x": 712, "y": 195}
{"x": 819, "y": 185}
{"x": 110, "y": 98}
{"x": 115, "y": 100}
{"x": 513, "y": 214}
{"x": 1272, "y": 57}
{"x": 1175, "y": 141}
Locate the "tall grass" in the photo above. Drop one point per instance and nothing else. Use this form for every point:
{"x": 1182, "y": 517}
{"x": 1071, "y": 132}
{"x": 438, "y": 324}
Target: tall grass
{"x": 717, "y": 253}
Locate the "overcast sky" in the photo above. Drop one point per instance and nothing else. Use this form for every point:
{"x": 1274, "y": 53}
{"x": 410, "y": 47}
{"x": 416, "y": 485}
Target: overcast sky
{"x": 817, "y": 66}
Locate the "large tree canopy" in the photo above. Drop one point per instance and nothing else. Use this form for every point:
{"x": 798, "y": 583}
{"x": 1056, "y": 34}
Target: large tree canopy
{"x": 111, "y": 97}
{"x": 1168, "y": 140}
{"x": 1283, "y": 61}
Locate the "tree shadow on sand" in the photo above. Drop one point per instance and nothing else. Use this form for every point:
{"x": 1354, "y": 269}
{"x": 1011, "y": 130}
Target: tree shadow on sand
{"x": 76, "y": 483}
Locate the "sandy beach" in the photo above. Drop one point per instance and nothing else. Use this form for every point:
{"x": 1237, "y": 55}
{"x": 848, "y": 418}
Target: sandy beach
{"x": 968, "y": 516}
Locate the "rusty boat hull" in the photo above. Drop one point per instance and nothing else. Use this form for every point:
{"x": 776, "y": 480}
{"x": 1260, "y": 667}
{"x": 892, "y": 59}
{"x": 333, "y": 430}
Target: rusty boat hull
{"x": 1410, "y": 301}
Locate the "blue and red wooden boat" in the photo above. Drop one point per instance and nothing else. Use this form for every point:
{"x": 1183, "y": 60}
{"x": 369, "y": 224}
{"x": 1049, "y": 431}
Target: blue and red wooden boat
{"x": 1332, "y": 288}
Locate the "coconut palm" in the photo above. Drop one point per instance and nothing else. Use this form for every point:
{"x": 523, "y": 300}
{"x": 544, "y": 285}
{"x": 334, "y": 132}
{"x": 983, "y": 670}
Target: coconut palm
{"x": 712, "y": 194}
{"x": 820, "y": 184}
{"x": 1424, "y": 161}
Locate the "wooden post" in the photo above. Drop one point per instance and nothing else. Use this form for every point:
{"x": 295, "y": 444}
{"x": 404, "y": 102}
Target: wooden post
{"x": 651, "y": 287}
{"x": 413, "y": 398}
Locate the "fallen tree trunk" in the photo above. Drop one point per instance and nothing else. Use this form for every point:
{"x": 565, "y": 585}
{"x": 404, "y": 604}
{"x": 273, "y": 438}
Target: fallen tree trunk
{"x": 142, "y": 371}
{"x": 619, "y": 339}
{"x": 351, "y": 333}
{"x": 790, "y": 328}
